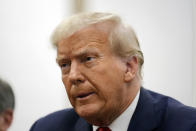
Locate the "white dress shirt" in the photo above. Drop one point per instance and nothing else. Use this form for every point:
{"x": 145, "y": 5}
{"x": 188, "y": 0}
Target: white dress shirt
{"x": 121, "y": 123}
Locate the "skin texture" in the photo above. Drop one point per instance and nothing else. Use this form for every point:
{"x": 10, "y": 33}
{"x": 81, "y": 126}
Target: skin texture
{"x": 6, "y": 118}
{"x": 100, "y": 85}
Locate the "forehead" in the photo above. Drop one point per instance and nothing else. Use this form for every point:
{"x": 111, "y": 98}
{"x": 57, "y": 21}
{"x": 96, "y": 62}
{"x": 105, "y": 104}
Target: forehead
{"x": 89, "y": 37}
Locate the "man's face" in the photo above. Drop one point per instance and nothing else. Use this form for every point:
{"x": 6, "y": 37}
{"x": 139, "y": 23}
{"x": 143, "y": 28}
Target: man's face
{"x": 92, "y": 74}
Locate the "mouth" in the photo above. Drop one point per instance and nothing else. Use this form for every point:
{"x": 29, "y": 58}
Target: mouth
{"x": 84, "y": 95}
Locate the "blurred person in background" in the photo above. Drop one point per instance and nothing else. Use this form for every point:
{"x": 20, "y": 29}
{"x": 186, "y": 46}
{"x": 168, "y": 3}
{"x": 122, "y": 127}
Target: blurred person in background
{"x": 7, "y": 103}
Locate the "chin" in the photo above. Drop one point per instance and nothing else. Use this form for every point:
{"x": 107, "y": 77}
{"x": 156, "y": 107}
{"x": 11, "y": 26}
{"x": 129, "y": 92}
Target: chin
{"x": 87, "y": 111}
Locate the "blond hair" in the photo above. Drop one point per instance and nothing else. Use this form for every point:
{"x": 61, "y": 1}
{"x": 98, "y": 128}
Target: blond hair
{"x": 122, "y": 38}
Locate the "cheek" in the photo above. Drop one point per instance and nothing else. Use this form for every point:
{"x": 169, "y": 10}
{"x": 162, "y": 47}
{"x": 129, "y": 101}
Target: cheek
{"x": 66, "y": 85}
{"x": 69, "y": 92}
{"x": 112, "y": 85}
{"x": 65, "y": 81}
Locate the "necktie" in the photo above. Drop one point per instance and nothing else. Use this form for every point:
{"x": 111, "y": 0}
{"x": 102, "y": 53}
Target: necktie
{"x": 103, "y": 129}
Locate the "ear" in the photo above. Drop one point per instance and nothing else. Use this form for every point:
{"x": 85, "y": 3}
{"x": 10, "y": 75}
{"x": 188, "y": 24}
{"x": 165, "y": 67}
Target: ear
{"x": 6, "y": 118}
{"x": 132, "y": 68}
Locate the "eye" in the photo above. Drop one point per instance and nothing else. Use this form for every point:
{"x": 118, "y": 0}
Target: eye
{"x": 65, "y": 67}
{"x": 89, "y": 58}
{"x": 89, "y": 61}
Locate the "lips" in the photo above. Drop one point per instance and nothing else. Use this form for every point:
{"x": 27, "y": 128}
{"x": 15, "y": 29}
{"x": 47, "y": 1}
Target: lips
{"x": 84, "y": 95}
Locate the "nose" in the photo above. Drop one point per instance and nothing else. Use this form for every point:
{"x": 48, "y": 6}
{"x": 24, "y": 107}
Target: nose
{"x": 75, "y": 75}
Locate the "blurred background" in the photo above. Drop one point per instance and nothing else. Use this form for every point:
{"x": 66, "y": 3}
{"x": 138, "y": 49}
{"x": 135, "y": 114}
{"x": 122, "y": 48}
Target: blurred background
{"x": 166, "y": 30}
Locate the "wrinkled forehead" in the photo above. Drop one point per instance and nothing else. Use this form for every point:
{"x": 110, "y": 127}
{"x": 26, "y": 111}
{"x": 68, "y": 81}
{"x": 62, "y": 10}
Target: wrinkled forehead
{"x": 90, "y": 38}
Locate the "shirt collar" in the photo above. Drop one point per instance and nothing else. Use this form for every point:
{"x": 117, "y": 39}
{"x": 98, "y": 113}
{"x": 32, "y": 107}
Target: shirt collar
{"x": 121, "y": 123}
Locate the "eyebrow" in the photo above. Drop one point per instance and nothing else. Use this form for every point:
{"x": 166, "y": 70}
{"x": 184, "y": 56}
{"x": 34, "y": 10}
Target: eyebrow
{"x": 79, "y": 53}
{"x": 85, "y": 51}
{"x": 58, "y": 60}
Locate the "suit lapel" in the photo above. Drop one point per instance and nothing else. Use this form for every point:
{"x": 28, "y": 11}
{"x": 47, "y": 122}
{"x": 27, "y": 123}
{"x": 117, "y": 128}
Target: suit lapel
{"x": 144, "y": 118}
{"x": 147, "y": 116}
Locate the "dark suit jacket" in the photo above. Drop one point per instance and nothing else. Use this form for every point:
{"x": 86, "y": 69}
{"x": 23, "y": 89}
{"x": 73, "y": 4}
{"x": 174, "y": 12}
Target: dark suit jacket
{"x": 154, "y": 112}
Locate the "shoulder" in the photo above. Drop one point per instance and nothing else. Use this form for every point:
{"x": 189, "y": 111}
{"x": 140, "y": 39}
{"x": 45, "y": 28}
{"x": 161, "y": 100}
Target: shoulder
{"x": 173, "y": 114}
{"x": 54, "y": 121}
{"x": 180, "y": 115}
{"x": 173, "y": 107}
{"x": 168, "y": 103}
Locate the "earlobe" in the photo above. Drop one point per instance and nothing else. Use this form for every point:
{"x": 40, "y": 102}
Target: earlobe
{"x": 128, "y": 76}
{"x": 131, "y": 70}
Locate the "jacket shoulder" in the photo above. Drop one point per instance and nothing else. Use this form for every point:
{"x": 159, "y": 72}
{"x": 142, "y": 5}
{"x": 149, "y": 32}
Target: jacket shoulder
{"x": 180, "y": 115}
{"x": 174, "y": 114}
{"x": 57, "y": 121}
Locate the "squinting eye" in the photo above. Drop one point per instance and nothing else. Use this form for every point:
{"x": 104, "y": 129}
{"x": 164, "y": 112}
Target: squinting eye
{"x": 63, "y": 65}
{"x": 89, "y": 61}
{"x": 89, "y": 58}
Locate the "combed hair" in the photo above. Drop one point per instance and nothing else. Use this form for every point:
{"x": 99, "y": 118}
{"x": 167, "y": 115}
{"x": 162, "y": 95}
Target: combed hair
{"x": 122, "y": 38}
{"x": 7, "y": 100}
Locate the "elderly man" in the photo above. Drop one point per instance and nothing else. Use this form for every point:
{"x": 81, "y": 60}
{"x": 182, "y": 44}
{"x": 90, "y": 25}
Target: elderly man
{"x": 6, "y": 105}
{"x": 101, "y": 62}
